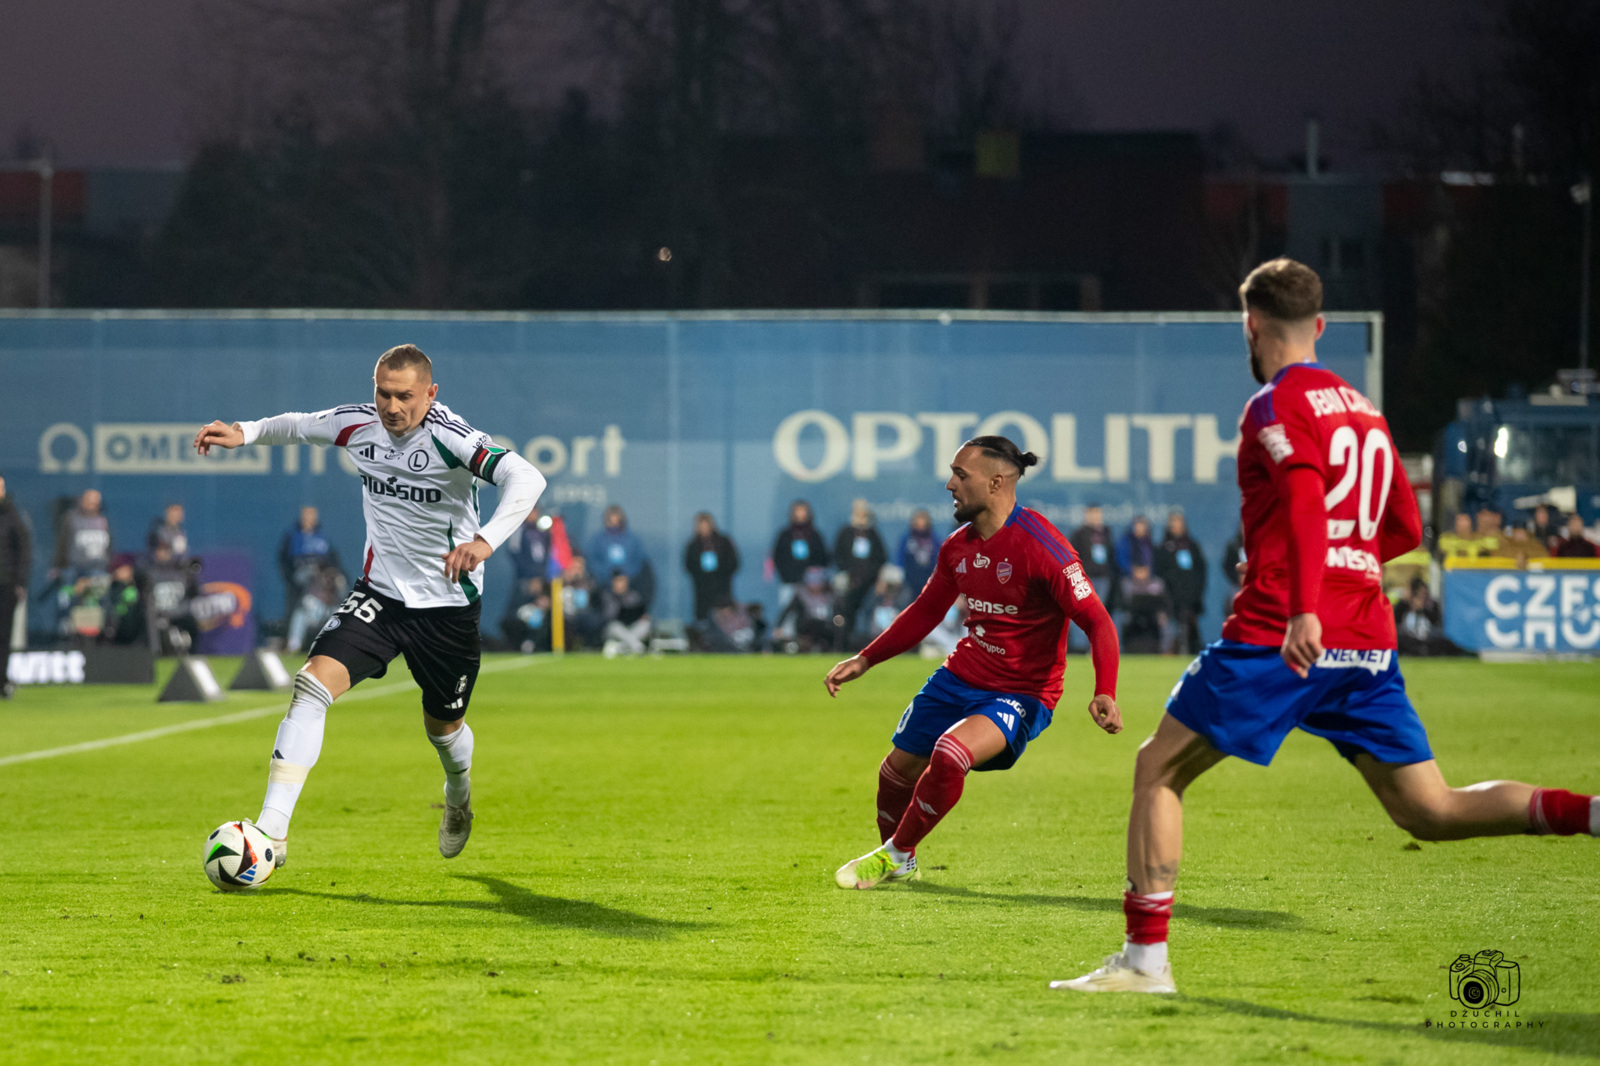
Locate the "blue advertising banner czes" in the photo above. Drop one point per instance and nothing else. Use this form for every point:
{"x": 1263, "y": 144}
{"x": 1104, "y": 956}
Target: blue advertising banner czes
{"x": 736, "y": 414}
{"x": 1555, "y": 610}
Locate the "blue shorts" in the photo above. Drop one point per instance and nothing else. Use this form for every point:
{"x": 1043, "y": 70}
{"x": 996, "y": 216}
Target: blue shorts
{"x": 945, "y": 699}
{"x": 1244, "y": 699}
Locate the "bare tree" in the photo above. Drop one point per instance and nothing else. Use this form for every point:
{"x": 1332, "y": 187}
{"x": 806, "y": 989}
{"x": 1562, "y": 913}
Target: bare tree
{"x": 382, "y": 97}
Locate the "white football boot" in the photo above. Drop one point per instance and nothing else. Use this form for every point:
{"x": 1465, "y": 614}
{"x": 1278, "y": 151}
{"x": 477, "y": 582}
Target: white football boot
{"x": 1117, "y": 975}
{"x": 454, "y": 829}
{"x": 907, "y": 872}
{"x": 280, "y": 850}
{"x": 874, "y": 868}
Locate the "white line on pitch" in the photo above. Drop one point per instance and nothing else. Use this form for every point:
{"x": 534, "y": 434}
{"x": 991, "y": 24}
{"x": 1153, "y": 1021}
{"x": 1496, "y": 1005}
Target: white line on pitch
{"x": 229, "y": 719}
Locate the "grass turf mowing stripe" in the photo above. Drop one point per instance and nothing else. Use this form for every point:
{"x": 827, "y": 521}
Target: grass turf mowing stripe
{"x": 226, "y": 719}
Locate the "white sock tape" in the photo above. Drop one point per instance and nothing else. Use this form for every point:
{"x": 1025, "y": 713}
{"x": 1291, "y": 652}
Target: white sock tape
{"x": 286, "y": 773}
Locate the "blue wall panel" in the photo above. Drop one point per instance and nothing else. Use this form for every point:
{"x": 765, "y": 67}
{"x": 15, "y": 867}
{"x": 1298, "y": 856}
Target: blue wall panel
{"x": 665, "y": 415}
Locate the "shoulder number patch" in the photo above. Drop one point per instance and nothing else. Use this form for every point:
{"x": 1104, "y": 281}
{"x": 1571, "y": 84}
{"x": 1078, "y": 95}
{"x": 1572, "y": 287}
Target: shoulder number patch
{"x": 1276, "y": 442}
{"x": 1081, "y": 589}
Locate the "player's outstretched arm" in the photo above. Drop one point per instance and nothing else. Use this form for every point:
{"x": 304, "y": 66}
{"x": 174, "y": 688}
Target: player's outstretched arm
{"x": 219, "y": 434}
{"x": 1105, "y": 652}
{"x": 909, "y": 629}
{"x": 293, "y": 427}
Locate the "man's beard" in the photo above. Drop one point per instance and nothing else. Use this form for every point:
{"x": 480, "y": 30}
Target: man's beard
{"x": 969, "y": 512}
{"x": 1256, "y": 370}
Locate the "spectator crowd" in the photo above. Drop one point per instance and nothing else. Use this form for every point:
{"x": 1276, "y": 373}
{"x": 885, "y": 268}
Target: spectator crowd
{"x": 834, "y": 593}
{"x": 1545, "y": 535}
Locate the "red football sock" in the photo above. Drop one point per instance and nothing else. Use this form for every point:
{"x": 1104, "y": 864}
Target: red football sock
{"x": 937, "y": 791}
{"x": 894, "y": 796}
{"x": 1147, "y": 916}
{"x": 1555, "y": 810}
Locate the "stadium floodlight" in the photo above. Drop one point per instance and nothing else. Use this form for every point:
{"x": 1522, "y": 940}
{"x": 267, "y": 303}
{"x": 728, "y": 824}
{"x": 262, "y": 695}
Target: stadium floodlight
{"x": 45, "y": 168}
{"x": 1582, "y": 196}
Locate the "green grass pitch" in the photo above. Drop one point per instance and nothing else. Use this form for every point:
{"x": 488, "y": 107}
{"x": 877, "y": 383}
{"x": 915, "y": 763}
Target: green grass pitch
{"x": 649, "y": 880}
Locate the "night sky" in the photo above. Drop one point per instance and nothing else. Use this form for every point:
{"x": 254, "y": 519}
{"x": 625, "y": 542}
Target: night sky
{"x": 105, "y": 79}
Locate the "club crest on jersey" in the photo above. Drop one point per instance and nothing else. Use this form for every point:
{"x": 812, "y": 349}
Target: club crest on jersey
{"x": 980, "y": 560}
{"x": 1003, "y": 571}
{"x": 418, "y": 460}
{"x": 1276, "y": 442}
{"x": 961, "y": 567}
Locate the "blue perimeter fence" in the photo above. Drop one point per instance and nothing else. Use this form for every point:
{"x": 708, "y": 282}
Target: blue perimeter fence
{"x": 665, "y": 414}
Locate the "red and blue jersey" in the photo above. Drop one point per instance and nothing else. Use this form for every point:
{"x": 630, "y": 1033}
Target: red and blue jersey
{"x": 1308, "y": 418}
{"x": 1022, "y": 585}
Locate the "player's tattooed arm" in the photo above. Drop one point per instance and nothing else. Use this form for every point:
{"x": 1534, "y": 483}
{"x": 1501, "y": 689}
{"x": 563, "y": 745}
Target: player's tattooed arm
{"x": 220, "y": 434}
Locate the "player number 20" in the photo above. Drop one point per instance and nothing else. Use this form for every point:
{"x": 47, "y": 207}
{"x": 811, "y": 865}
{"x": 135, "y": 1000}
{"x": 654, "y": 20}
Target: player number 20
{"x": 1344, "y": 450}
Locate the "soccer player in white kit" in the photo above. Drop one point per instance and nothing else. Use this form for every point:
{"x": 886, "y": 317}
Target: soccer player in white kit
{"x": 419, "y": 593}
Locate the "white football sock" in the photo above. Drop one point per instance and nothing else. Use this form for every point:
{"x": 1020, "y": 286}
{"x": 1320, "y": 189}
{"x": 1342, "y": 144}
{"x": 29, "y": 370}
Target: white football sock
{"x": 294, "y": 753}
{"x": 895, "y": 853}
{"x": 1150, "y": 958}
{"x": 455, "y": 755}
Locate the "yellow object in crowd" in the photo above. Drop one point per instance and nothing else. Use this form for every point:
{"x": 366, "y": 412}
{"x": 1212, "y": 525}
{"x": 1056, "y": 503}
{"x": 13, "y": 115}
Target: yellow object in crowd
{"x": 1456, "y": 546}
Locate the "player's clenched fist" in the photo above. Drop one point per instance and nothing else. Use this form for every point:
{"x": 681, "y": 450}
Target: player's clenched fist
{"x": 1302, "y": 643}
{"x": 464, "y": 559}
{"x": 1106, "y": 714}
{"x": 220, "y": 434}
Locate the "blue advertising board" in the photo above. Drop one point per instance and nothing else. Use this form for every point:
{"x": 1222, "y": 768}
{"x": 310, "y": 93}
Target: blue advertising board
{"x": 667, "y": 415}
{"x": 1550, "y": 610}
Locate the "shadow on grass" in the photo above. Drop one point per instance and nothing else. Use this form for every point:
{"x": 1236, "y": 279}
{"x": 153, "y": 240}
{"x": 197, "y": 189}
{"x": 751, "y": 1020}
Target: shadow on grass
{"x": 530, "y": 906}
{"x": 1239, "y": 917}
{"x": 1560, "y": 1034}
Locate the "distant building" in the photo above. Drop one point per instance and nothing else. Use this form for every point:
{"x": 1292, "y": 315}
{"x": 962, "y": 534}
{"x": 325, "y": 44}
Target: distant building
{"x": 102, "y": 218}
{"x": 1034, "y": 221}
{"x": 1335, "y": 223}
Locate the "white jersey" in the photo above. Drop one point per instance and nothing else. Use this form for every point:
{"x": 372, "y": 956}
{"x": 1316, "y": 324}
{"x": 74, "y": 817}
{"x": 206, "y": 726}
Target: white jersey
{"x": 419, "y": 493}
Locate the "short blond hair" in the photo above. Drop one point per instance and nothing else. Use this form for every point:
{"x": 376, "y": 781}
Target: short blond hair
{"x": 406, "y": 357}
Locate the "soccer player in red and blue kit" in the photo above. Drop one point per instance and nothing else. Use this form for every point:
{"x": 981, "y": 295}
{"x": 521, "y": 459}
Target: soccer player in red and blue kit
{"x": 1311, "y": 642}
{"x": 1023, "y": 584}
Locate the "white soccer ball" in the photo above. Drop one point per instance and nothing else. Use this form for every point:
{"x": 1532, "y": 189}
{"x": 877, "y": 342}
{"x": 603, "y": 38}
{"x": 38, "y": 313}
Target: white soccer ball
{"x": 238, "y": 856}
